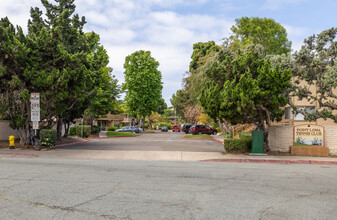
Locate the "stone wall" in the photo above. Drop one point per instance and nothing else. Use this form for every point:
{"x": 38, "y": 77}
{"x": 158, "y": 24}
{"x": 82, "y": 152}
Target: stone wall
{"x": 281, "y": 138}
{"x": 6, "y": 131}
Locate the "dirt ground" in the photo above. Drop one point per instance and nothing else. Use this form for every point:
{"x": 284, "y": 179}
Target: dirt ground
{"x": 68, "y": 140}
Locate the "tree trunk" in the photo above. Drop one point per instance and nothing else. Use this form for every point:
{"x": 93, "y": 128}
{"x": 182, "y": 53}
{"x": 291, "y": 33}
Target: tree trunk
{"x": 140, "y": 121}
{"x": 66, "y": 128}
{"x": 143, "y": 123}
{"x": 59, "y": 128}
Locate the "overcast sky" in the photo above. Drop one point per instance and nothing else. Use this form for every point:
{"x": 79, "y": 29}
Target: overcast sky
{"x": 169, "y": 28}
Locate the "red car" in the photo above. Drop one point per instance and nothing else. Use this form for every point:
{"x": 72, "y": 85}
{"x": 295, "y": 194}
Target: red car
{"x": 203, "y": 129}
{"x": 176, "y": 128}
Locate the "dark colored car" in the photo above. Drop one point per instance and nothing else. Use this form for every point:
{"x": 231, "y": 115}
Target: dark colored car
{"x": 186, "y": 128}
{"x": 202, "y": 129}
{"x": 130, "y": 129}
{"x": 164, "y": 129}
{"x": 176, "y": 128}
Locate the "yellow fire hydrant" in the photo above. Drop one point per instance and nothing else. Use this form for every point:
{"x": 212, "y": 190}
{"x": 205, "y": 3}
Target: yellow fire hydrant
{"x": 11, "y": 142}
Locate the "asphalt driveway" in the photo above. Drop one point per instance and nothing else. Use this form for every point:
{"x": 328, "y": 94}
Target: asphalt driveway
{"x": 166, "y": 141}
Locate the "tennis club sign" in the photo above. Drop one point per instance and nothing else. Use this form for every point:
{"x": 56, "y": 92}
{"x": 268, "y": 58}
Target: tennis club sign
{"x": 308, "y": 135}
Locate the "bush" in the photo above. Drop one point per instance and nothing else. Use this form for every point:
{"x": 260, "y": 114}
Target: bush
{"x": 72, "y": 131}
{"x": 95, "y": 129}
{"x": 116, "y": 134}
{"x": 86, "y": 129}
{"x": 242, "y": 144}
{"x": 48, "y": 137}
{"x": 112, "y": 129}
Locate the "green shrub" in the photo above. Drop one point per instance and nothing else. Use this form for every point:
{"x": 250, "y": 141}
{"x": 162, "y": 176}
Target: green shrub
{"x": 95, "y": 129}
{"x": 72, "y": 131}
{"x": 116, "y": 134}
{"x": 228, "y": 135}
{"x": 243, "y": 144}
{"x": 245, "y": 135}
{"x": 112, "y": 129}
{"x": 48, "y": 137}
{"x": 83, "y": 130}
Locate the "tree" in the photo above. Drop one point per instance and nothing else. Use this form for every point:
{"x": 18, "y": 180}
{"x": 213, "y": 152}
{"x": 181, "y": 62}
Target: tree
{"x": 265, "y": 31}
{"x": 143, "y": 84}
{"x": 162, "y": 106}
{"x": 67, "y": 66}
{"x": 14, "y": 61}
{"x": 316, "y": 64}
{"x": 241, "y": 87}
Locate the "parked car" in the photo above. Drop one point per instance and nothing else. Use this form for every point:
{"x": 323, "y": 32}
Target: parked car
{"x": 202, "y": 129}
{"x": 176, "y": 128}
{"x": 186, "y": 128}
{"x": 140, "y": 129}
{"x": 130, "y": 129}
{"x": 164, "y": 129}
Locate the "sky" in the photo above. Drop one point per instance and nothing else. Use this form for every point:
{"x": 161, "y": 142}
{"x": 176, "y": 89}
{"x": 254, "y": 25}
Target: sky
{"x": 169, "y": 28}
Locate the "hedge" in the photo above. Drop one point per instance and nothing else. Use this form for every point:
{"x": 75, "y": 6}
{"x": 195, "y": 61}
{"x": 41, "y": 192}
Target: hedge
{"x": 112, "y": 129}
{"x": 242, "y": 144}
{"x": 95, "y": 129}
{"x": 48, "y": 137}
{"x": 72, "y": 131}
{"x": 86, "y": 129}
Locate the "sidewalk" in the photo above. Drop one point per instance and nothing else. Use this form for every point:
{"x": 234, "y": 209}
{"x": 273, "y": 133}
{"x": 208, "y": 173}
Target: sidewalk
{"x": 167, "y": 156}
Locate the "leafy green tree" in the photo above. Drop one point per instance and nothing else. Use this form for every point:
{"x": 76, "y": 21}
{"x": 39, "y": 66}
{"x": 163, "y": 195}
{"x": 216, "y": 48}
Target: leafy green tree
{"x": 67, "y": 66}
{"x": 143, "y": 85}
{"x": 265, "y": 31}
{"x": 162, "y": 106}
{"x": 316, "y": 64}
{"x": 241, "y": 87}
{"x": 180, "y": 100}
{"x": 14, "y": 61}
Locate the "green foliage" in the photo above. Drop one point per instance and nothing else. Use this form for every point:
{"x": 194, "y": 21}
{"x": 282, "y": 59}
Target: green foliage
{"x": 198, "y": 136}
{"x": 168, "y": 112}
{"x": 143, "y": 84}
{"x": 48, "y": 137}
{"x": 83, "y": 130}
{"x": 112, "y": 129}
{"x": 242, "y": 144}
{"x": 316, "y": 65}
{"x": 119, "y": 134}
{"x": 264, "y": 31}
{"x": 56, "y": 58}
{"x": 242, "y": 87}
{"x": 72, "y": 130}
{"x": 95, "y": 129}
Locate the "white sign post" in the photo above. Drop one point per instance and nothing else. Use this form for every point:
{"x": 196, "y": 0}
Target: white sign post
{"x": 35, "y": 110}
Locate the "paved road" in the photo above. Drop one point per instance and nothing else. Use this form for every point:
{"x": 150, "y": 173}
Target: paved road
{"x": 166, "y": 141}
{"x": 45, "y": 188}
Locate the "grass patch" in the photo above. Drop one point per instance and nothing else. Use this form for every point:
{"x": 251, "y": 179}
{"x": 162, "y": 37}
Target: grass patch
{"x": 149, "y": 132}
{"x": 197, "y": 136}
{"x": 117, "y": 134}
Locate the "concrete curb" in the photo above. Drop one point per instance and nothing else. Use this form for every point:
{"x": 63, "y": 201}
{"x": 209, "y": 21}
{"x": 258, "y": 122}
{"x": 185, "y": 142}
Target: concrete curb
{"x": 273, "y": 161}
{"x": 18, "y": 155}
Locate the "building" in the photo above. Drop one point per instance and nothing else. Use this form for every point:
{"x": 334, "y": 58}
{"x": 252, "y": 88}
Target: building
{"x": 282, "y": 134}
{"x": 110, "y": 120}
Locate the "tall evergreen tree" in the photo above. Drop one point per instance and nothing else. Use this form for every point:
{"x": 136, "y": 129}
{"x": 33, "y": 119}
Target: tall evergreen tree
{"x": 143, "y": 85}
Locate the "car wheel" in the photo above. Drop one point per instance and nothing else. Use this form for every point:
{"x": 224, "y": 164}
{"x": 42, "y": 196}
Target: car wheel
{"x": 214, "y": 133}
{"x": 199, "y": 133}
